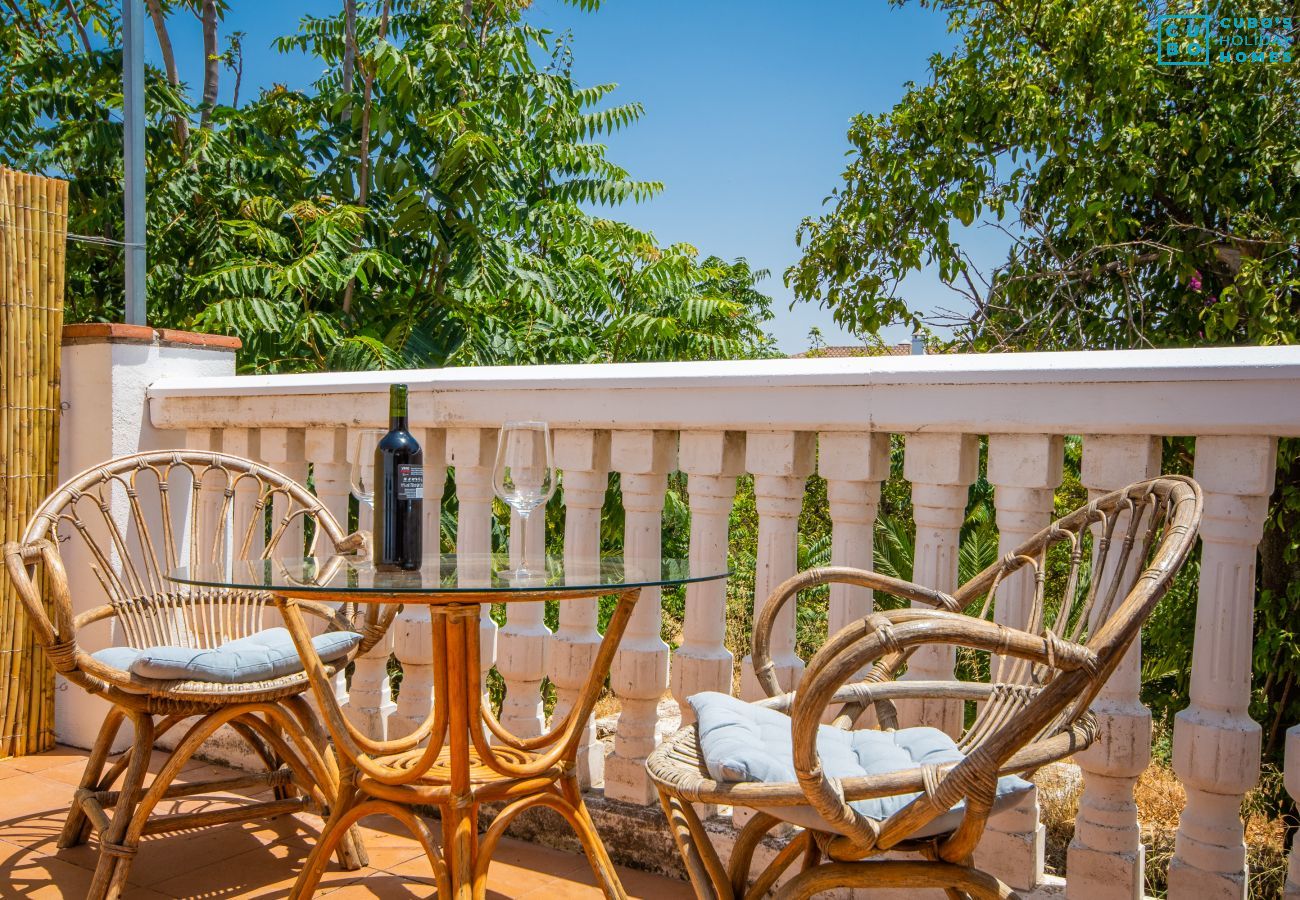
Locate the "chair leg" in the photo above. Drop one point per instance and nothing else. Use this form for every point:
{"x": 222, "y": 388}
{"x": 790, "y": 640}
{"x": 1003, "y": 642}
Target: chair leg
{"x": 742, "y": 853}
{"x": 708, "y": 875}
{"x": 76, "y": 828}
{"x": 351, "y": 851}
{"x": 115, "y": 854}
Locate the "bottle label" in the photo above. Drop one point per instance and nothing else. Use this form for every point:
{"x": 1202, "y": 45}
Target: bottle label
{"x": 410, "y": 482}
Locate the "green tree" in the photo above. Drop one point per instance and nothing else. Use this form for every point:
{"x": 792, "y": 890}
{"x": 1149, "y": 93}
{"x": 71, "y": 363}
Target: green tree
{"x": 428, "y": 200}
{"x": 1143, "y": 203}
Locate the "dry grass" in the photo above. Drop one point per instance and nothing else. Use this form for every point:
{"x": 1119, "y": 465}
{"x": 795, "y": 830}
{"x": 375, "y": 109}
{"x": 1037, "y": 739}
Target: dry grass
{"x": 1160, "y": 798}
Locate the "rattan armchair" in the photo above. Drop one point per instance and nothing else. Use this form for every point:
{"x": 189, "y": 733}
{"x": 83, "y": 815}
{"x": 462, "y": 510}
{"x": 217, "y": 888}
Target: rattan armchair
{"x": 1097, "y": 574}
{"x": 132, "y": 520}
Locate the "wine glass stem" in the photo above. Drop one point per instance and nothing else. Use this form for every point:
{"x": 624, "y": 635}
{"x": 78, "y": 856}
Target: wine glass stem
{"x": 522, "y": 569}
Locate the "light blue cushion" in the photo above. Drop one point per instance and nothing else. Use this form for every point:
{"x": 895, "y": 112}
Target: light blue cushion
{"x": 117, "y": 657}
{"x": 259, "y": 657}
{"x": 743, "y": 742}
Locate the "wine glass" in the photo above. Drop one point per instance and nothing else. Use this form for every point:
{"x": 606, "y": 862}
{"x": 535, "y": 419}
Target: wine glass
{"x": 363, "y": 475}
{"x": 524, "y": 477}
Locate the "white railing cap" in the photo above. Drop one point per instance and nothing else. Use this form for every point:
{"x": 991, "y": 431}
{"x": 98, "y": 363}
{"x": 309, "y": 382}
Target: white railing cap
{"x": 1091, "y": 366}
{"x": 1237, "y": 390}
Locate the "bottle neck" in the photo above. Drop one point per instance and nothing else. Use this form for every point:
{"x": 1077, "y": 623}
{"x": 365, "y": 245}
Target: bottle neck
{"x": 397, "y": 409}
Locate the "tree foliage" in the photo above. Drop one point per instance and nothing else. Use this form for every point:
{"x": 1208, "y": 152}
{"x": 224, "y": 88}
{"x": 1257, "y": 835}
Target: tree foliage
{"x": 1143, "y": 204}
{"x": 435, "y": 206}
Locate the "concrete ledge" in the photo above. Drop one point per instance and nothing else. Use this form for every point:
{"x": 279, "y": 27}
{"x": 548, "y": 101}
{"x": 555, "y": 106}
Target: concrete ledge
{"x": 121, "y": 333}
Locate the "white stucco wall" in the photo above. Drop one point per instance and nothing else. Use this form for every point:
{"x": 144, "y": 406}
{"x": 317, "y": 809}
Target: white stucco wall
{"x": 105, "y": 414}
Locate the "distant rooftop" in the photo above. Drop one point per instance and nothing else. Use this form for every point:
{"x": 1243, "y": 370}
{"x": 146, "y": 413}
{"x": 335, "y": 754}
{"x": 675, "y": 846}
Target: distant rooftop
{"x": 904, "y": 349}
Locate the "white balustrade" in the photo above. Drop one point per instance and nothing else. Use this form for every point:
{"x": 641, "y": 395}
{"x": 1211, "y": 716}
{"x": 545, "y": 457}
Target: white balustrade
{"x": 712, "y": 460}
{"x": 583, "y": 455}
{"x": 639, "y": 678}
{"x": 370, "y": 692}
{"x": 327, "y": 452}
{"x": 1216, "y": 743}
{"x": 1025, "y": 470}
{"x": 941, "y": 468}
{"x": 773, "y": 419}
{"x": 1106, "y": 853}
{"x": 244, "y": 442}
{"x": 853, "y": 464}
{"x": 523, "y": 642}
{"x": 780, "y": 462}
{"x": 285, "y": 450}
{"x": 472, "y": 451}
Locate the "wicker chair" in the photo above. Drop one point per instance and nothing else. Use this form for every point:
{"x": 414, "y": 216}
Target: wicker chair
{"x": 1034, "y": 710}
{"x": 184, "y": 507}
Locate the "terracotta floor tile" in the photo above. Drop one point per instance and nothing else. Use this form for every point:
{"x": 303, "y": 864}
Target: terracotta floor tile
{"x": 31, "y": 872}
{"x": 261, "y": 874}
{"x": 384, "y": 886}
{"x": 522, "y": 855}
{"x": 25, "y": 795}
{"x": 59, "y": 756}
{"x": 256, "y": 860}
{"x": 68, "y": 773}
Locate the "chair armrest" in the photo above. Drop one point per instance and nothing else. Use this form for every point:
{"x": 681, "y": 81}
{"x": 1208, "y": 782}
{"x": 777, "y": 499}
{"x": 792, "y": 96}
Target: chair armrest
{"x": 762, "y": 640}
{"x": 900, "y": 631}
{"x": 358, "y": 543}
{"x": 56, "y": 635}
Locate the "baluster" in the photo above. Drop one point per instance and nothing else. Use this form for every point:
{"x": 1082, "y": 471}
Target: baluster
{"x": 640, "y": 675}
{"x": 1106, "y": 856}
{"x": 712, "y": 460}
{"x": 1291, "y": 770}
{"x": 523, "y": 641}
{"x": 473, "y": 452}
{"x": 853, "y": 464}
{"x": 285, "y": 451}
{"x": 327, "y": 451}
{"x": 370, "y": 695}
{"x": 941, "y": 468}
{"x": 245, "y": 442}
{"x": 1216, "y": 743}
{"x": 1025, "y": 470}
{"x": 195, "y": 548}
{"x": 200, "y": 544}
{"x": 583, "y": 456}
{"x": 412, "y": 636}
{"x": 780, "y": 462}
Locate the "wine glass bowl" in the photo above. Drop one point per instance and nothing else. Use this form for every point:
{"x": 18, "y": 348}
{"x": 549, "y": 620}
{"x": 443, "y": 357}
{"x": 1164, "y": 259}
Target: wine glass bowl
{"x": 362, "y": 475}
{"x": 524, "y": 476}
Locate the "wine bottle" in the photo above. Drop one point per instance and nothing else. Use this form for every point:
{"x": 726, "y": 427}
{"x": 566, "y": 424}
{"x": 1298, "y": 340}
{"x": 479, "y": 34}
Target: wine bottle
{"x": 399, "y": 491}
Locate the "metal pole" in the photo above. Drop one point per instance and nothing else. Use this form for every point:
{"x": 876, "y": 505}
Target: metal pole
{"x": 133, "y": 128}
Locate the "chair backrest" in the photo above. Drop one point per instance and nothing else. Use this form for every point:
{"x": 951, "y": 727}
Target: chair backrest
{"x": 1088, "y": 582}
{"x": 137, "y": 517}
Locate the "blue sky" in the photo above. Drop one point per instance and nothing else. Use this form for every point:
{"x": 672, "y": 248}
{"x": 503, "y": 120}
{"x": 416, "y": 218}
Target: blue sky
{"x": 747, "y": 109}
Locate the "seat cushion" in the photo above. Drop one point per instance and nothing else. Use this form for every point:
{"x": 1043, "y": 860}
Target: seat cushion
{"x": 259, "y": 657}
{"x": 743, "y": 742}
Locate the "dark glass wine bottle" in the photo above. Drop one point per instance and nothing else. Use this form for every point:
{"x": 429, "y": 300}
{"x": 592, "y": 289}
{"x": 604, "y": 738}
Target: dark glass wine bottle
{"x": 399, "y": 491}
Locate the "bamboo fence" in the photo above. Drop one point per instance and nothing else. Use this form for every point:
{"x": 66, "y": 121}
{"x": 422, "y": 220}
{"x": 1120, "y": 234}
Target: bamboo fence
{"x": 33, "y": 241}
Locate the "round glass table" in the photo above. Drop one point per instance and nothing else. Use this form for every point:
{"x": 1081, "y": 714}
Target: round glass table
{"x": 461, "y": 756}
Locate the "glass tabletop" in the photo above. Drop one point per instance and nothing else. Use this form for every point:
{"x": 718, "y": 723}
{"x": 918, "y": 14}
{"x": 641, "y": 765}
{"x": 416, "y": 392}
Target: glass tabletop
{"x": 448, "y": 574}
